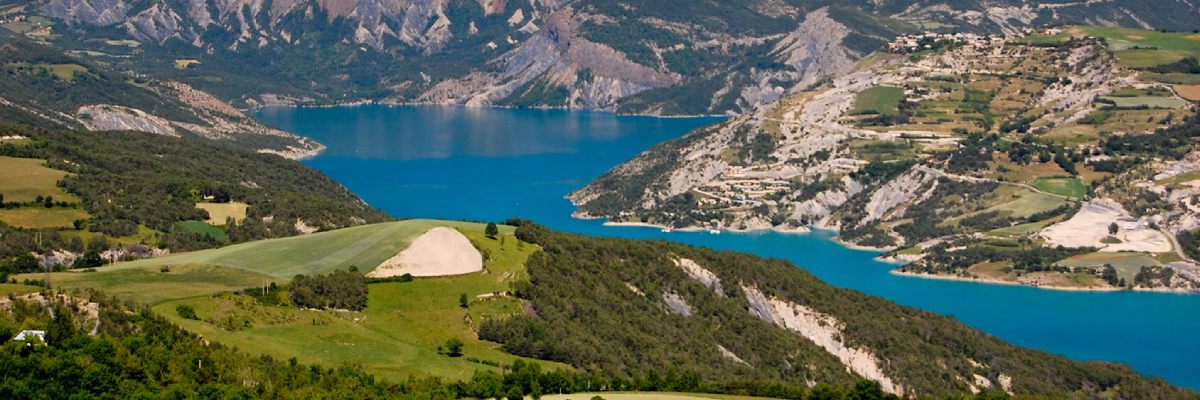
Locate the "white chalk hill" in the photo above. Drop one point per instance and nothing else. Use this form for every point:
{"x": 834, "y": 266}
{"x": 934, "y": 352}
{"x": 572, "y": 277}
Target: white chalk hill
{"x": 439, "y": 252}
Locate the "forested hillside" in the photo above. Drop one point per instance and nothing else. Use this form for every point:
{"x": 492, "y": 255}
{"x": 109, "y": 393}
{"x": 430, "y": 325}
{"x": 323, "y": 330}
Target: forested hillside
{"x": 730, "y": 314}
{"x": 142, "y": 188}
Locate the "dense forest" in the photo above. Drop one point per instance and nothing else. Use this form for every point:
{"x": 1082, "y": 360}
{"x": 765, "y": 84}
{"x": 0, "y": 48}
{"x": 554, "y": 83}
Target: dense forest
{"x": 922, "y": 351}
{"x": 126, "y": 179}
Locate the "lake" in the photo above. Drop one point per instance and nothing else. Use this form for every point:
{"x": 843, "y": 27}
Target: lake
{"x": 491, "y": 164}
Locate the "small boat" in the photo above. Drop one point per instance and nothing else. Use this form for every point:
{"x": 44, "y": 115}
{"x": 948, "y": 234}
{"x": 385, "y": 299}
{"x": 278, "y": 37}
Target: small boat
{"x": 666, "y": 230}
{"x": 714, "y": 231}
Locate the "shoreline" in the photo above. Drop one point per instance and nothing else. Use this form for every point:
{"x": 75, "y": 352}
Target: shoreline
{"x": 986, "y": 281}
{"x": 359, "y": 103}
{"x": 796, "y": 231}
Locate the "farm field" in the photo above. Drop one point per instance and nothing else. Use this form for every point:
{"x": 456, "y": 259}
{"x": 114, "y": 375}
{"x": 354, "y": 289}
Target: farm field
{"x": 1146, "y": 101}
{"x": 1174, "y": 78}
{"x": 882, "y": 100}
{"x": 203, "y": 228}
{"x": 397, "y": 335}
{"x": 37, "y": 217}
{"x": 26, "y": 178}
{"x": 1027, "y": 202}
{"x": 1070, "y": 187}
{"x": 1140, "y": 48}
{"x": 1127, "y": 264}
{"x": 1190, "y": 92}
{"x": 362, "y": 246}
{"x": 151, "y": 285}
{"x": 218, "y": 213}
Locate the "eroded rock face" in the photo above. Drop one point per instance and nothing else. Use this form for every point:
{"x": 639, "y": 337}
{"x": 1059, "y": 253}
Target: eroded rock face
{"x": 214, "y": 119}
{"x": 824, "y": 330}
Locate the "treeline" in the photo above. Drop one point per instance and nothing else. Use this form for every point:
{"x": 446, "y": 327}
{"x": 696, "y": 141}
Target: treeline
{"x": 137, "y": 354}
{"x": 126, "y": 179}
{"x": 343, "y": 290}
{"x": 581, "y": 290}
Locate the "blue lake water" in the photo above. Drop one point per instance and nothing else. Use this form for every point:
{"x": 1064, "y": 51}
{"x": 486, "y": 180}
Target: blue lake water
{"x": 491, "y": 164}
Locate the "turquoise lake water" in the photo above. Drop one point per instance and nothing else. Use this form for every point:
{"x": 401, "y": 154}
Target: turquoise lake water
{"x": 491, "y": 164}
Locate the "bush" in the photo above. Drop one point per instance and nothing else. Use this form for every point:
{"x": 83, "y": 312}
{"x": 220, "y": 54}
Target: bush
{"x": 187, "y": 312}
{"x": 454, "y": 347}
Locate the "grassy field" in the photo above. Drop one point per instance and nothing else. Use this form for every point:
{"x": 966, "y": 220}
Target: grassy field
{"x": 218, "y": 213}
{"x": 363, "y": 246}
{"x": 150, "y": 285}
{"x": 37, "y": 217}
{"x": 1174, "y": 78}
{"x": 14, "y": 288}
{"x": 646, "y": 396}
{"x": 1127, "y": 264}
{"x": 203, "y": 228}
{"x": 1070, "y": 187}
{"x": 397, "y": 335}
{"x": 1133, "y": 47}
{"x": 1027, "y": 202}
{"x": 1146, "y": 101}
{"x": 25, "y": 178}
{"x": 883, "y": 100}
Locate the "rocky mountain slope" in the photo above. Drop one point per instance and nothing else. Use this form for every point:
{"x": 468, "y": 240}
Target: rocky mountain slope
{"x": 1058, "y": 159}
{"x": 43, "y": 86}
{"x": 662, "y": 57}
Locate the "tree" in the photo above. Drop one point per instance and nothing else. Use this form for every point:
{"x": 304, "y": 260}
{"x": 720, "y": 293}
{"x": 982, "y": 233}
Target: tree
{"x": 514, "y": 393}
{"x": 491, "y": 230}
{"x": 454, "y": 347}
{"x": 462, "y": 300}
{"x": 1113, "y": 228}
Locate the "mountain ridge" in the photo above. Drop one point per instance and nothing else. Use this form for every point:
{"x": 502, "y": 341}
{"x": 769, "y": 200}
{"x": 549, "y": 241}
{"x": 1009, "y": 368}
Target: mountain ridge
{"x": 464, "y": 52}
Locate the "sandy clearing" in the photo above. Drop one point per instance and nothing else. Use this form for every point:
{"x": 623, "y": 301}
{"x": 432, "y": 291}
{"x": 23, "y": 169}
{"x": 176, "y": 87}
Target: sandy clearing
{"x": 1090, "y": 225}
{"x": 1190, "y": 92}
{"x": 439, "y": 252}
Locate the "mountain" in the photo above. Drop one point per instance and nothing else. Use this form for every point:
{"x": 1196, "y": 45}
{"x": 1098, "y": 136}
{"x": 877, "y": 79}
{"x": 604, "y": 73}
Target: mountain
{"x": 660, "y": 57}
{"x": 46, "y": 87}
{"x": 1059, "y": 159}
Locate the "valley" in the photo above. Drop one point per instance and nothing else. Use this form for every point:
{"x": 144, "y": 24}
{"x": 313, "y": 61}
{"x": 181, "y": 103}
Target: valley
{"x": 418, "y": 199}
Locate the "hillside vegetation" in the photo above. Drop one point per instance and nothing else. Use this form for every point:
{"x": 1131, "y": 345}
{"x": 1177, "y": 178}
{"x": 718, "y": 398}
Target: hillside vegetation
{"x": 47, "y": 87}
{"x": 717, "y": 321}
{"x": 685, "y": 316}
{"x": 993, "y": 158}
{"x": 128, "y": 193}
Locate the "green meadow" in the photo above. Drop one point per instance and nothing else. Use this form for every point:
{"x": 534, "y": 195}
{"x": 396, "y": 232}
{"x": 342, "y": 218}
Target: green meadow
{"x": 401, "y": 333}
{"x": 882, "y": 100}
{"x": 1070, "y": 187}
{"x": 363, "y": 247}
